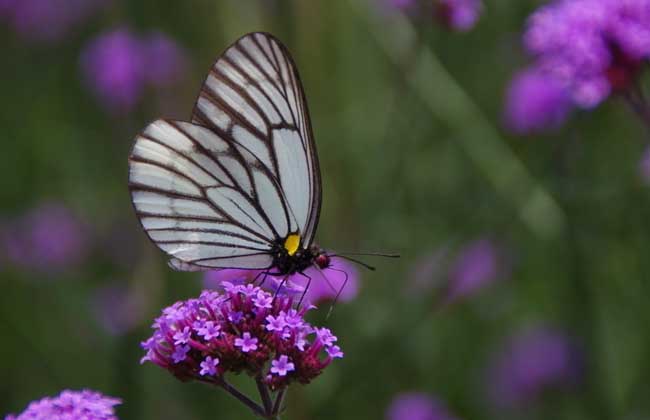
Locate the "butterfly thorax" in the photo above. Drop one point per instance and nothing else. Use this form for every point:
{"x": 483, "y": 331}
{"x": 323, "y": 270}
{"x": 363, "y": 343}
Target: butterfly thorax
{"x": 290, "y": 260}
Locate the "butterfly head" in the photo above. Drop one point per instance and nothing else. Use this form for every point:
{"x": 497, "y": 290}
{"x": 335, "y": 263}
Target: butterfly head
{"x": 322, "y": 260}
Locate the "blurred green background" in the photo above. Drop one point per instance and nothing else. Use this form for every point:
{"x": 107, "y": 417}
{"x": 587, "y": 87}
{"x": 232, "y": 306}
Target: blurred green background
{"x": 414, "y": 157}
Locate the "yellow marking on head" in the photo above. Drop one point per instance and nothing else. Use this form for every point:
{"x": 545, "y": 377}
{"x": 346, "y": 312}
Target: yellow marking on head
{"x": 291, "y": 243}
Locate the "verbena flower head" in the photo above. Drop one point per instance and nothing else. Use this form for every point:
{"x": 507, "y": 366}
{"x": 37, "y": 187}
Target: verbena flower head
{"x": 244, "y": 329}
{"x": 119, "y": 65}
{"x": 593, "y": 47}
{"x": 477, "y": 265}
{"x": 532, "y": 362}
{"x": 535, "y": 102}
{"x": 417, "y": 406}
{"x": 49, "y": 237}
{"x": 47, "y": 20}
{"x": 324, "y": 286}
{"x": 459, "y": 15}
{"x": 70, "y": 405}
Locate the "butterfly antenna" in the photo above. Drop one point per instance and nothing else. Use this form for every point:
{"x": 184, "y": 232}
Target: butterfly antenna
{"x": 354, "y": 260}
{"x": 370, "y": 254}
{"x": 336, "y": 298}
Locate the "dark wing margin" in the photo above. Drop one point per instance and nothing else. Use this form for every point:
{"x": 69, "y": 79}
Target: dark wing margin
{"x": 254, "y": 99}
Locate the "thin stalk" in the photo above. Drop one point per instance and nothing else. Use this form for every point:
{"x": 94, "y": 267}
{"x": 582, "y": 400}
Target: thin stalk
{"x": 264, "y": 394}
{"x": 278, "y": 402}
{"x": 255, "y": 407}
{"x": 635, "y": 98}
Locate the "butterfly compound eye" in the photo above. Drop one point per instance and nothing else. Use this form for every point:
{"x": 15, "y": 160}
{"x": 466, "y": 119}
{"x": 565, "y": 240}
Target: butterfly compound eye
{"x": 322, "y": 261}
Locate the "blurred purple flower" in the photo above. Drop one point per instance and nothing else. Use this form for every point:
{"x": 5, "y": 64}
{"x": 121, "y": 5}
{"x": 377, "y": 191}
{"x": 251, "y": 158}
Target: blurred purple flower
{"x": 325, "y": 284}
{"x": 535, "y": 102}
{"x": 113, "y": 66}
{"x": 458, "y": 15}
{"x": 644, "y": 166}
{"x": 49, "y": 237}
{"x": 119, "y": 65}
{"x": 593, "y": 47}
{"x": 477, "y": 265}
{"x": 117, "y": 308}
{"x": 531, "y": 362}
{"x": 70, "y": 405}
{"x": 165, "y": 60}
{"x": 417, "y": 406}
{"x": 47, "y": 20}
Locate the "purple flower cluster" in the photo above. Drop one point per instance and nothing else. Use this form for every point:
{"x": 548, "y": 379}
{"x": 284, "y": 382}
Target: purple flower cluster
{"x": 70, "y": 405}
{"x": 531, "y": 362}
{"x": 118, "y": 66}
{"x": 417, "y": 406}
{"x": 588, "y": 48}
{"x": 49, "y": 237}
{"x": 47, "y": 20}
{"x": 478, "y": 264}
{"x": 245, "y": 329}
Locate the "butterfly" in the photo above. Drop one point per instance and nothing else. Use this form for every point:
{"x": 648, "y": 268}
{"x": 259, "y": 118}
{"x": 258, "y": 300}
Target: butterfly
{"x": 239, "y": 186}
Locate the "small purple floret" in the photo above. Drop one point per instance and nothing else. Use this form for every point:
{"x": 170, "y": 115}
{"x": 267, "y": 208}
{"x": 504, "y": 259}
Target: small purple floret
{"x": 282, "y": 366}
{"x": 246, "y": 343}
{"x": 209, "y": 366}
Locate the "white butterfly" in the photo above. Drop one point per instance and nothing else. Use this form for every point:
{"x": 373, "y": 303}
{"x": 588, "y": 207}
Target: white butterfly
{"x": 239, "y": 186}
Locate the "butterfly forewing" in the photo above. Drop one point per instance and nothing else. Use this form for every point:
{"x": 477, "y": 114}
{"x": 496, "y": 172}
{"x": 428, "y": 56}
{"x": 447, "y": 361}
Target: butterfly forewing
{"x": 221, "y": 191}
{"x": 253, "y": 94}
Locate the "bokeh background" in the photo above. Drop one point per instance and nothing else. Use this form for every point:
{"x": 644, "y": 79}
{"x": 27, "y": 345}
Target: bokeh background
{"x": 523, "y": 283}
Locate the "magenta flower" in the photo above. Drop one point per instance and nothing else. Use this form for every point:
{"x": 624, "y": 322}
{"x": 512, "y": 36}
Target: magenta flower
{"x": 70, "y": 405}
{"x": 417, "y": 406}
{"x": 220, "y": 333}
{"x": 592, "y": 47}
{"x": 118, "y": 66}
{"x": 47, "y": 238}
{"x": 458, "y": 15}
{"x": 532, "y": 362}
{"x": 477, "y": 265}
{"x": 535, "y": 102}
{"x": 47, "y": 21}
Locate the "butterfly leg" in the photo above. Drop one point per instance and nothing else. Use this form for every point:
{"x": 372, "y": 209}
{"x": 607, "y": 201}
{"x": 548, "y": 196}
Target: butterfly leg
{"x": 304, "y": 292}
{"x": 336, "y": 298}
